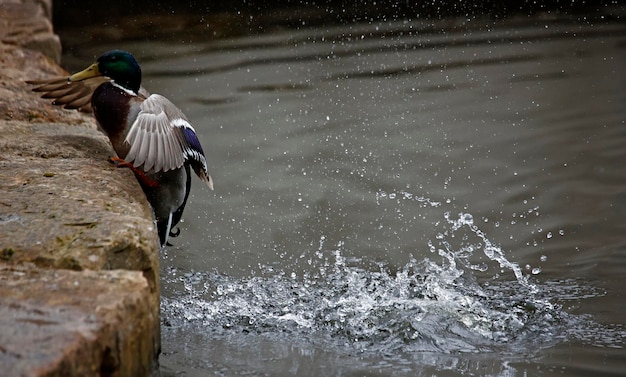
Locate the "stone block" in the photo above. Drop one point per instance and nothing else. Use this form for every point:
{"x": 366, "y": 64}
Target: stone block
{"x": 79, "y": 253}
{"x": 68, "y": 323}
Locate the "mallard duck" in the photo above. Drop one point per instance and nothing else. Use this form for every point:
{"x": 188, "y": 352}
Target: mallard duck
{"x": 148, "y": 132}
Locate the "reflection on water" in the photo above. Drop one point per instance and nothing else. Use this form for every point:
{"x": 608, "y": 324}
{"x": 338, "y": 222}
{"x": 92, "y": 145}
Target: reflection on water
{"x": 401, "y": 198}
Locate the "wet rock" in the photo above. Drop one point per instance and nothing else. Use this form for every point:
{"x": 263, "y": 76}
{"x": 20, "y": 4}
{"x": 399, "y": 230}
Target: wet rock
{"x": 78, "y": 250}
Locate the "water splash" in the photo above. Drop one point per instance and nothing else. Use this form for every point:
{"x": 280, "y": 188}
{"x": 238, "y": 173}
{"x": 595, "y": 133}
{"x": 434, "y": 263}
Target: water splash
{"x": 491, "y": 251}
{"x": 428, "y": 305}
{"x": 405, "y": 195}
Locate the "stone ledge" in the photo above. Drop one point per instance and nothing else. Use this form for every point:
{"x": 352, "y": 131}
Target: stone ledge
{"x": 79, "y": 253}
{"x": 65, "y": 206}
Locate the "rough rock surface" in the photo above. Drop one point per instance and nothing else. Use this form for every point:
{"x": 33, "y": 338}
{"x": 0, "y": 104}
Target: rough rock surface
{"x": 78, "y": 250}
{"x": 68, "y": 323}
{"x": 27, "y": 23}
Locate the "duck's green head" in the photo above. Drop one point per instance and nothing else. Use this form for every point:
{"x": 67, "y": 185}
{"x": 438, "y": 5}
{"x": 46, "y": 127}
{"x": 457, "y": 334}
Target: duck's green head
{"x": 120, "y": 66}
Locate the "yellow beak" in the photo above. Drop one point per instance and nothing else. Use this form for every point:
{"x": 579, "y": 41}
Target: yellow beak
{"x": 89, "y": 72}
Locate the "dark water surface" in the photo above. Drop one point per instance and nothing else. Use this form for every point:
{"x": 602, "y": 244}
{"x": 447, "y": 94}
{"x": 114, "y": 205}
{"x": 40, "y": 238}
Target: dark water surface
{"x": 403, "y": 198}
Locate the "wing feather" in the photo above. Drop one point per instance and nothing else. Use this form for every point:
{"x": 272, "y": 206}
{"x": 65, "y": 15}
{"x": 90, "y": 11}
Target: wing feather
{"x": 71, "y": 95}
{"x": 158, "y": 149}
{"x": 153, "y": 131}
{"x": 161, "y": 139}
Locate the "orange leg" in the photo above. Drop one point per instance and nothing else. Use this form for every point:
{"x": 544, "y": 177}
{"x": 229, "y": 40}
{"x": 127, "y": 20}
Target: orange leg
{"x": 120, "y": 163}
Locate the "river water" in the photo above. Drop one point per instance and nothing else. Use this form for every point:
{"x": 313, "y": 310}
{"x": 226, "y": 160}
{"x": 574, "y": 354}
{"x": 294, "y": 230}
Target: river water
{"x": 400, "y": 198}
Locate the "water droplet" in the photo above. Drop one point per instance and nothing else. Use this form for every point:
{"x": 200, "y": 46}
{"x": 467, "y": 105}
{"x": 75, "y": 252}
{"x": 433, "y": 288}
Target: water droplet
{"x": 543, "y": 258}
{"x": 467, "y": 219}
{"x": 549, "y": 235}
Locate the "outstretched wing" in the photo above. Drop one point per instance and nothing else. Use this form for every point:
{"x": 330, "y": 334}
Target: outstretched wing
{"x": 70, "y": 95}
{"x": 73, "y": 95}
{"x": 161, "y": 139}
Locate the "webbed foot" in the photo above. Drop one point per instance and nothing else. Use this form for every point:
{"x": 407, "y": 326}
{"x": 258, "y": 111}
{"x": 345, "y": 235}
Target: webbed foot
{"x": 140, "y": 174}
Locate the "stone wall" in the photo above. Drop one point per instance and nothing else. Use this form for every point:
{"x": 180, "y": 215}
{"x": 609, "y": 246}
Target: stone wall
{"x": 78, "y": 250}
